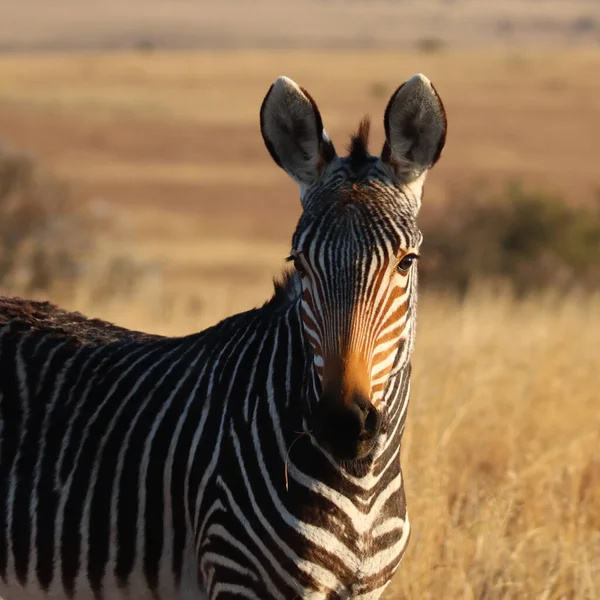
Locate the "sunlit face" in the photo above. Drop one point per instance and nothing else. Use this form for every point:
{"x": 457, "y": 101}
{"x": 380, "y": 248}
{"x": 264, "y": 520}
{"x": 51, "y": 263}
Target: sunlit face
{"x": 358, "y": 273}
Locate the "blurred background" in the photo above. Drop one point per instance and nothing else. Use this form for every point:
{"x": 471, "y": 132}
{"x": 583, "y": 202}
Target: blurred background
{"x": 135, "y": 187}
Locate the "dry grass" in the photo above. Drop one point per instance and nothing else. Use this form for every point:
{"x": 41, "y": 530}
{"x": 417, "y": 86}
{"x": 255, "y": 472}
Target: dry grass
{"x": 170, "y": 141}
{"x": 501, "y": 451}
{"x": 120, "y": 123}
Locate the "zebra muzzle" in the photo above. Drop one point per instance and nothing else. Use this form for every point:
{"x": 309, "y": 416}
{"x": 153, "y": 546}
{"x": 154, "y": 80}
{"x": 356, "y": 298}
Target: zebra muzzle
{"x": 349, "y": 429}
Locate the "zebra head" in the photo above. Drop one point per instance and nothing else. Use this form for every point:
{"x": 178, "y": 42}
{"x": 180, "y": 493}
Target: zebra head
{"x": 355, "y": 249}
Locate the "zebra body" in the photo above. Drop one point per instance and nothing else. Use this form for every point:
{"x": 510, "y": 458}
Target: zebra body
{"x": 258, "y": 458}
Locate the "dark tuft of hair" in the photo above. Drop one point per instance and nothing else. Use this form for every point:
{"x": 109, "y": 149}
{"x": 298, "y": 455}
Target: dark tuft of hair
{"x": 286, "y": 290}
{"x": 359, "y": 145}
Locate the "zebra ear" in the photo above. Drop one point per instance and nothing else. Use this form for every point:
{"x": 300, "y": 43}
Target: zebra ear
{"x": 415, "y": 129}
{"x": 292, "y": 128}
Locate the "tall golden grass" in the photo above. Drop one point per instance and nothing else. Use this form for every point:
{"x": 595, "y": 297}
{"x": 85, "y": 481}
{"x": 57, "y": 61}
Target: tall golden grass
{"x": 501, "y": 452}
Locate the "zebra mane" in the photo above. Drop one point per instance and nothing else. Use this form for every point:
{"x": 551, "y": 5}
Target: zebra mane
{"x": 359, "y": 145}
{"x": 286, "y": 290}
{"x": 31, "y": 315}
{"x": 45, "y": 316}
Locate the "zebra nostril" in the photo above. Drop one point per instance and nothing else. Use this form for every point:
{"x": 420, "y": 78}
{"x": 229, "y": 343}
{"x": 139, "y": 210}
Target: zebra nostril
{"x": 371, "y": 420}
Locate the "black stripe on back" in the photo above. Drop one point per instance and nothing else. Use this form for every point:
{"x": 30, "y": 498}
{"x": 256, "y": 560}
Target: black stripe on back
{"x": 11, "y": 414}
{"x": 154, "y": 509}
{"x": 47, "y": 493}
{"x": 24, "y": 474}
{"x": 128, "y": 490}
{"x": 71, "y": 535}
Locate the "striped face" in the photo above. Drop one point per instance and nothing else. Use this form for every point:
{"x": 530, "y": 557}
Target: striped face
{"x": 355, "y": 249}
{"x": 359, "y": 276}
{"x": 356, "y": 257}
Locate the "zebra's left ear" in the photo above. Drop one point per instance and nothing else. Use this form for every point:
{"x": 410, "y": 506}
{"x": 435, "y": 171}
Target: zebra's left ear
{"x": 415, "y": 129}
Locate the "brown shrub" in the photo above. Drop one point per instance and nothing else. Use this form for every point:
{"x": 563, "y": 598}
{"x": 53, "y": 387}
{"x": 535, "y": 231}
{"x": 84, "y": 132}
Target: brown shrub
{"x": 42, "y": 231}
{"x": 49, "y": 240}
{"x": 526, "y": 239}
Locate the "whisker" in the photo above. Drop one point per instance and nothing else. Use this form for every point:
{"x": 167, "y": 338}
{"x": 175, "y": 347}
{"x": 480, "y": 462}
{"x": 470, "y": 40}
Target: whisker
{"x": 287, "y": 456}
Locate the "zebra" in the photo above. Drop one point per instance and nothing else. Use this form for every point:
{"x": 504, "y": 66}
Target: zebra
{"x": 259, "y": 458}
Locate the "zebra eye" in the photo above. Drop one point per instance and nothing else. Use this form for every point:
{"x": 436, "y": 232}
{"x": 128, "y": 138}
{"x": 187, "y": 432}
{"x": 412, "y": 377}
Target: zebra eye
{"x": 406, "y": 263}
{"x": 298, "y": 265}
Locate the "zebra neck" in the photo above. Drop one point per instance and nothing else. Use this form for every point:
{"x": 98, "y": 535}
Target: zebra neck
{"x": 252, "y": 404}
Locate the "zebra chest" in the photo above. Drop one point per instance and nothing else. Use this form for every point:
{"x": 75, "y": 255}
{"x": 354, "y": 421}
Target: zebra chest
{"x": 316, "y": 550}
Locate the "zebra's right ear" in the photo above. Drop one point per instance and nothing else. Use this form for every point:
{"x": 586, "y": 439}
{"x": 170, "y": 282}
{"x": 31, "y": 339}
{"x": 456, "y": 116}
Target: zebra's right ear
{"x": 292, "y": 128}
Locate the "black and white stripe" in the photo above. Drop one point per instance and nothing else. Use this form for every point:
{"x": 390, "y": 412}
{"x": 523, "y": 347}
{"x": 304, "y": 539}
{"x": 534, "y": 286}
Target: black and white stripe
{"x": 137, "y": 466}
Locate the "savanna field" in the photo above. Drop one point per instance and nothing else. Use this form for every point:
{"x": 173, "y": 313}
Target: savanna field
{"x": 181, "y": 219}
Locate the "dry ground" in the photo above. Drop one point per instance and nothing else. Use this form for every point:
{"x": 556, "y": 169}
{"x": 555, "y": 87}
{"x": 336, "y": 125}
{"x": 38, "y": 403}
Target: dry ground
{"x": 501, "y": 451}
{"x": 60, "y": 24}
{"x": 170, "y": 141}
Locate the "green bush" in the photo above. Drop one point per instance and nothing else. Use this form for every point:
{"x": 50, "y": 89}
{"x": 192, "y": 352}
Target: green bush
{"x": 527, "y": 239}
